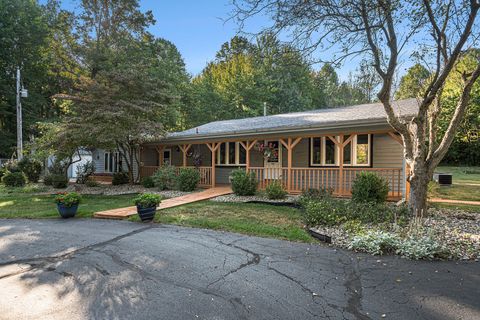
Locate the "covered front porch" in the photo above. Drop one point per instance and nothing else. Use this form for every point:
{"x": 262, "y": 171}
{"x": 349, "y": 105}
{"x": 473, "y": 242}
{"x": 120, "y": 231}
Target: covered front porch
{"x": 299, "y": 162}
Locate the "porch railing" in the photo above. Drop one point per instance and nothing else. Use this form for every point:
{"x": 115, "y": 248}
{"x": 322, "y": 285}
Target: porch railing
{"x": 205, "y": 173}
{"x": 329, "y": 178}
{"x": 305, "y": 178}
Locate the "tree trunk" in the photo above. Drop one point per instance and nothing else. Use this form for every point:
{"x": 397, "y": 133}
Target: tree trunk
{"x": 419, "y": 191}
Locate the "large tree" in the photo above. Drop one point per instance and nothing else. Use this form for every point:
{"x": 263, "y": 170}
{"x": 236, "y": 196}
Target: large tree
{"x": 32, "y": 38}
{"x": 382, "y": 31}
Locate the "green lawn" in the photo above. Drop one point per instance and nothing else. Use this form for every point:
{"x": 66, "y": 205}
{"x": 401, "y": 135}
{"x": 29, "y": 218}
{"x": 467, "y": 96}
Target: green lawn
{"x": 466, "y": 184}
{"x": 247, "y": 218}
{"x": 462, "y": 175}
{"x": 28, "y": 205}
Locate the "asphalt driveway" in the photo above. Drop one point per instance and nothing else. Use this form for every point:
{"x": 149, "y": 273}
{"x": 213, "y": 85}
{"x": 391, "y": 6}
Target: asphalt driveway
{"x": 95, "y": 269}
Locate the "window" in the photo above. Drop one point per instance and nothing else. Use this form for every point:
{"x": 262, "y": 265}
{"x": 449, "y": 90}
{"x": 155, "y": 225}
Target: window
{"x": 362, "y": 146}
{"x": 231, "y": 154}
{"x": 324, "y": 152}
{"x": 167, "y": 160}
{"x": 316, "y": 147}
{"x": 112, "y": 162}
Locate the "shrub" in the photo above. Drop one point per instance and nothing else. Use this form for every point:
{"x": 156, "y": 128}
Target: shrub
{"x": 47, "y": 179}
{"x": 68, "y": 199}
{"x": 369, "y": 187}
{"x": 314, "y": 195}
{"x": 275, "y": 191}
{"x": 59, "y": 181}
{"x": 243, "y": 183}
{"x": 424, "y": 247}
{"x": 14, "y": 179}
{"x": 147, "y": 182}
{"x": 326, "y": 212}
{"x": 92, "y": 183}
{"x": 188, "y": 179}
{"x": 372, "y": 212}
{"x": 375, "y": 242}
{"x": 11, "y": 166}
{"x": 165, "y": 178}
{"x": 120, "y": 178}
{"x": 84, "y": 171}
{"x": 147, "y": 200}
{"x": 2, "y": 172}
{"x": 31, "y": 168}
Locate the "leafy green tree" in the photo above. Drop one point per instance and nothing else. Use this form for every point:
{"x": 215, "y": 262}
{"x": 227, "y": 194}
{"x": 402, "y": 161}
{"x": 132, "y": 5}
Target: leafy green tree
{"x": 31, "y": 37}
{"x": 413, "y": 82}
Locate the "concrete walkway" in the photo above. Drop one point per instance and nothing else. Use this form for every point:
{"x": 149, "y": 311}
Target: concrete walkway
{"x": 123, "y": 213}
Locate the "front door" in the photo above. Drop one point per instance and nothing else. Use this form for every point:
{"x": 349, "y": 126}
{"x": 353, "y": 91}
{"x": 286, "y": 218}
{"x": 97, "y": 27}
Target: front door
{"x": 273, "y": 160}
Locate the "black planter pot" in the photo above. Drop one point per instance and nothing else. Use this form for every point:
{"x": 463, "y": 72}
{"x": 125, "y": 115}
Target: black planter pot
{"x": 67, "y": 212}
{"x": 146, "y": 214}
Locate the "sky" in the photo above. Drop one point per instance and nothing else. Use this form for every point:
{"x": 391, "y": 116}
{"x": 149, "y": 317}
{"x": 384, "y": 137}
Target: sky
{"x": 199, "y": 27}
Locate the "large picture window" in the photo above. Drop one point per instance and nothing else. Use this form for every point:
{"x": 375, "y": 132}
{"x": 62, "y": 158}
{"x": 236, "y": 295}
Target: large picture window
{"x": 324, "y": 152}
{"x": 112, "y": 162}
{"x": 231, "y": 154}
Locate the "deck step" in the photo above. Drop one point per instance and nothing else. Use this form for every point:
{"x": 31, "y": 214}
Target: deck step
{"x": 124, "y": 213}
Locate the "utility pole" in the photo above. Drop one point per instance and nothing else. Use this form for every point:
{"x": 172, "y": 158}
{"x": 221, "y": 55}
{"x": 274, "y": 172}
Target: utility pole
{"x": 19, "y": 119}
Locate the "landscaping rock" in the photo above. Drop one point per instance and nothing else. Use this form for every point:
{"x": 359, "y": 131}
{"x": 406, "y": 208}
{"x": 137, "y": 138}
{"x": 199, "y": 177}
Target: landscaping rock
{"x": 256, "y": 198}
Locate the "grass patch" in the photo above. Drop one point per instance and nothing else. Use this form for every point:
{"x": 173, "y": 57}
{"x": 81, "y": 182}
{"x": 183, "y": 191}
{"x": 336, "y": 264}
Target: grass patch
{"x": 463, "y": 207}
{"x": 456, "y": 192}
{"x": 252, "y": 219}
{"x": 23, "y": 205}
{"x": 462, "y": 175}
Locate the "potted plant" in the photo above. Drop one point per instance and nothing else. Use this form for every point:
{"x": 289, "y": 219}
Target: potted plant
{"x": 147, "y": 205}
{"x": 67, "y": 203}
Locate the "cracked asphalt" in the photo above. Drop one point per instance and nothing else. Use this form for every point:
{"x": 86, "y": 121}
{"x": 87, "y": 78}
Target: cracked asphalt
{"x": 98, "y": 269}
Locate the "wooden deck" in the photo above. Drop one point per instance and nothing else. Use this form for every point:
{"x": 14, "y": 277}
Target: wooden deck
{"x": 123, "y": 213}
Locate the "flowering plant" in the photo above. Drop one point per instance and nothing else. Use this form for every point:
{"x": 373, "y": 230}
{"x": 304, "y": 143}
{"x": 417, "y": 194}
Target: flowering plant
{"x": 269, "y": 150}
{"x": 68, "y": 199}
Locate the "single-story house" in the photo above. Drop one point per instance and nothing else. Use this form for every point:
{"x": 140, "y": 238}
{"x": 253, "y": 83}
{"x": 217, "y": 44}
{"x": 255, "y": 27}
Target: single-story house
{"x": 323, "y": 148}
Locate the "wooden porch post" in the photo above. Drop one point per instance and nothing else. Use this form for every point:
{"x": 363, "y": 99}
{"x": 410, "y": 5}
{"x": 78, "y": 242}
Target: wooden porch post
{"x": 185, "y": 148}
{"x": 340, "y": 164}
{"x": 213, "y": 148}
{"x": 289, "y": 145}
{"x": 248, "y": 146}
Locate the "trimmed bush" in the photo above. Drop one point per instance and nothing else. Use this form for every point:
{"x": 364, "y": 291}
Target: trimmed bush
{"x": 314, "y": 195}
{"x": 243, "y": 183}
{"x": 165, "y": 178}
{"x": 14, "y": 179}
{"x": 85, "y": 171}
{"x": 92, "y": 183}
{"x": 275, "y": 191}
{"x": 31, "y": 168}
{"x": 120, "y": 178}
{"x": 375, "y": 242}
{"x": 188, "y": 179}
{"x": 369, "y": 187}
{"x": 59, "y": 181}
{"x": 47, "y": 179}
{"x": 372, "y": 212}
{"x": 147, "y": 182}
{"x": 326, "y": 212}
{"x": 424, "y": 247}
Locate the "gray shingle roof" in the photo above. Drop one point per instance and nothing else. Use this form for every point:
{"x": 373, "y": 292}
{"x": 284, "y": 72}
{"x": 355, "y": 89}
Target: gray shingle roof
{"x": 364, "y": 113}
